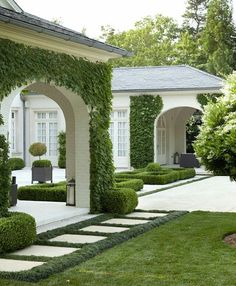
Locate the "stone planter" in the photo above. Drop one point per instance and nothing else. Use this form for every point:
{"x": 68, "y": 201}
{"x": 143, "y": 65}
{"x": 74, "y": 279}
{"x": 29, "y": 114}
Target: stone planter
{"x": 41, "y": 174}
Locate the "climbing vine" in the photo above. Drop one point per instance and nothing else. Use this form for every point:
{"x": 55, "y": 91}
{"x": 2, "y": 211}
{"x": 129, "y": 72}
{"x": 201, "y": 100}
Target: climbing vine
{"x": 22, "y": 64}
{"x": 144, "y": 110}
{"x": 204, "y": 98}
{"x": 5, "y": 173}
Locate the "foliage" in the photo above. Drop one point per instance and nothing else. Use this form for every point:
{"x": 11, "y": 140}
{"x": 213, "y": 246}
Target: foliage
{"x": 143, "y": 112}
{"x": 17, "y": 231}
{"x": 60, "y": 264}
{"x": 215, "y": 144}
{"x": 135, "y": 184}
{"x": 216, "y": 38}
{"x": 205, "y": 98}
{"x": 164, "y": 176}
{"x": 152, "y": 41}
{"x": 38, "y": 149}
{"x": 120, "y": 201}
{"x": 43, "y": 192}
{"x": 41, "y": 163}
{"x": 195, "y": 16}
{"x": 91, "y": 81}
{"x": 62, "y": 150}
{"x": 16, "y": 163}
{"x": 5, "y": 173}
{"x": 153, "y": 167}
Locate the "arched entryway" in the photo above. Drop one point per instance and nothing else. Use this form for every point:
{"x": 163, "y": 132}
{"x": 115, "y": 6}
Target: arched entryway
{"x": 170, "y": 133}
{"x": 77, "y": 125}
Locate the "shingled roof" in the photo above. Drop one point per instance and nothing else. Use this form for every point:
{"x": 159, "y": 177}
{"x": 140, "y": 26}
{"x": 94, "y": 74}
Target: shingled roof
{"x": 38, "y": 24}
{"x": 163, "y": 78}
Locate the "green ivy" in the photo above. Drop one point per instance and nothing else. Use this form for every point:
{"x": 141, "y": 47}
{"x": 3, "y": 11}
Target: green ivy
{"x": 5, "y": 173}
{"x": 62, "y": 149}
{"x": 144, "y": 110}
{"x": 22, "y": 64}
{"x": 204, "y": 98}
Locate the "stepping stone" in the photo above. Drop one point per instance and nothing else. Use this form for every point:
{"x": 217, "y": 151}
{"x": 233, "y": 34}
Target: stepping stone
{"x": 43, "y": 250}
{"x": 125, "y": 221}
{"x": 146, "y": 214}
{"x": 106, "y": 229}
{"x": 10, "y": 265}
{"x": 78, "y": 238}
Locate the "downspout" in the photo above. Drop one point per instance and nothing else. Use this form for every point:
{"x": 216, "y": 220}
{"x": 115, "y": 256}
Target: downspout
{"x": 23, "y": 99}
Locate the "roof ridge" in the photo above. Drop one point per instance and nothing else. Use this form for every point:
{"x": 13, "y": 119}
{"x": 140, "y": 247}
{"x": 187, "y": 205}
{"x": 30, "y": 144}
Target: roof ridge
{"x": 150, "y": 67}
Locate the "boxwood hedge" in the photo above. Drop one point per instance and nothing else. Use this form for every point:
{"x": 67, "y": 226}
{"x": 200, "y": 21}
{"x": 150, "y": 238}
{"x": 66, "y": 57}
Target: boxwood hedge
{"x": 120, "y": 201}
{"x": 135, "y": 184}
{"x": 43, "y": 192}
{"x": 17, "y": 231}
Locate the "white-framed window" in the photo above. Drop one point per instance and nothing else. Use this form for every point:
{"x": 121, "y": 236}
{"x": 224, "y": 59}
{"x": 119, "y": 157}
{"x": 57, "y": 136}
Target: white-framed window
{"x": 13, "y": 131}
{"x": 119, "y": 132}
{"x": 47, "y": 130}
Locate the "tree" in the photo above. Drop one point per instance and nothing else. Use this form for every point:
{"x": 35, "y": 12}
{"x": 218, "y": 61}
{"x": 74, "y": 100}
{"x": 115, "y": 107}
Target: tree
{"x": 195, "y": 16}
{"x": 215, "y": 144}
{"x": 216, "y": 38}
{"x": 152, "y": 41}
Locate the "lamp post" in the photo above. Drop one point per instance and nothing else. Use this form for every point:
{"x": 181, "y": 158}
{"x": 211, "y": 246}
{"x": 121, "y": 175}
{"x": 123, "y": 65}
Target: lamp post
{"x": 70, "y": 197}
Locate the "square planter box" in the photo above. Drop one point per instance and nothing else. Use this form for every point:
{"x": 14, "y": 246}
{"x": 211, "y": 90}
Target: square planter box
{"x": 41, "y": 174}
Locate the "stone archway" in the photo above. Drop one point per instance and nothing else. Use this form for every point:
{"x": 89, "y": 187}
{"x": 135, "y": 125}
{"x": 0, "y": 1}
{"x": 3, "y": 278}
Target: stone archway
{"x": 174, "y": 138}
{"x": 77, "y": 126}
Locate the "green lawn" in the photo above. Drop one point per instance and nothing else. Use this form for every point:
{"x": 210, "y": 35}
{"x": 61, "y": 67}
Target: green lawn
{"x": 185, "y": 251}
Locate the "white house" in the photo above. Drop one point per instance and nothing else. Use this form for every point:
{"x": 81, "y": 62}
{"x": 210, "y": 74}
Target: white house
{"x": 34, "y": 117}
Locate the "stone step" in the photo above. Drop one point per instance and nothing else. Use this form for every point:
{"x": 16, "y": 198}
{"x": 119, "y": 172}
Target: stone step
{"x": 146, "y": 215}
{"x": 104, "y": 229}
{"x": 126, "y": 221}
{"x": 78, "y": 238}
{"x": 10, "y": 265}
{"x": 44, "y": 250}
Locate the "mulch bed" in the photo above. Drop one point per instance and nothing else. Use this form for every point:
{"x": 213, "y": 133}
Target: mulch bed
{"x": 231, "y": 239}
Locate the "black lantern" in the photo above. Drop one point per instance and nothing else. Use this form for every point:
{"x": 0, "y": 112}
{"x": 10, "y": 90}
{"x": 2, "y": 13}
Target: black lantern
{"x": 70, "y": 198}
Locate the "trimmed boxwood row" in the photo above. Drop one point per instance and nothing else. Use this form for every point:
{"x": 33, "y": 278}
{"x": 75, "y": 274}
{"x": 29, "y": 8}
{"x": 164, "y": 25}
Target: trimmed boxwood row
{"x": 43, "y": 192}
{"x": 121, "y": 201}
{"x": 135, "y": 184}
{"x": 165, "y": 176}
{"x": 16, "y": 163}
{"x": 17, "y": 231}
{"x": 59, "y": 264}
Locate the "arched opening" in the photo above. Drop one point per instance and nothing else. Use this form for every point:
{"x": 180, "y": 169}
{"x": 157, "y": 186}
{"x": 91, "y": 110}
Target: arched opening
{"x": 77, "y": 139}
{"x": 170, "y": 134}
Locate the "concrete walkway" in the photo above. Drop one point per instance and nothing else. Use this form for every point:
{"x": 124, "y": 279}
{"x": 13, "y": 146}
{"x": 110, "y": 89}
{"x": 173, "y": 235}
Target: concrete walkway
{"x": 213, "y": 194}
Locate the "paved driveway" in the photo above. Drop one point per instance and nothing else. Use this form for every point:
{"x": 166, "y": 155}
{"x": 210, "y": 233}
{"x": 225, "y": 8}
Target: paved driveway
{"x": 213, "y": 194}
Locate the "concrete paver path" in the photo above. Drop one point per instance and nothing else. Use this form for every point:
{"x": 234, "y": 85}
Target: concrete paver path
{"x": 212, "y": 194}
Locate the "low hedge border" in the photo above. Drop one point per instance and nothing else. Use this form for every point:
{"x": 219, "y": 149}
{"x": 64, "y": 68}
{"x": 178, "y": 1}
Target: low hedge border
{"x": 159, "y": 178}
{"x": 135, "y": 184}
{"x": 59, "y": 264}
{"x": 171, "y": 187}
{"x": 17, "y": 231}
{"x": 43, "y": 192}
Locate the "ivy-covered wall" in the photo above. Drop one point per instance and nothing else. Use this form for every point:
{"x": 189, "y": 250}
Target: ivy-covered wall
{"x": 20, "y": 64}
{"x": 204, "y": 98}
{"x": 144, "y": 110}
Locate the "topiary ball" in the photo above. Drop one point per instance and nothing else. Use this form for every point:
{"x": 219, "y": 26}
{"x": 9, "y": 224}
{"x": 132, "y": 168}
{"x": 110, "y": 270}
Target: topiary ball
{"x": 38, "y": 149}
{"x": 153, "y": 167}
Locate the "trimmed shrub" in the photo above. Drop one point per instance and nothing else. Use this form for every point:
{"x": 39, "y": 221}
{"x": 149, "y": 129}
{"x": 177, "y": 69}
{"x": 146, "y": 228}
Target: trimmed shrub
{"x": 38, "y": 149}
{"x": 42, "y": 163}
{"x": 43, "y": 192}
{"x": 17, "y": 231}
{"x": 135, "y": 184}
{"x": 120, "y": 201}
{"x": 16, "y": 163}
{"x": 153, "y": 167}
{"x": 62, "y": 149}
{"x": 186, "y": 173}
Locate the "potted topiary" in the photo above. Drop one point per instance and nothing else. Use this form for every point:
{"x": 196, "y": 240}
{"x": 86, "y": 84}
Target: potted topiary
{"x": 41, "y": 169}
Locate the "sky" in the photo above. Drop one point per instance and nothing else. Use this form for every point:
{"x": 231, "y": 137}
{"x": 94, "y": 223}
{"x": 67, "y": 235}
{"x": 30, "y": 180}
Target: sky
{"x": 92, "y": 14}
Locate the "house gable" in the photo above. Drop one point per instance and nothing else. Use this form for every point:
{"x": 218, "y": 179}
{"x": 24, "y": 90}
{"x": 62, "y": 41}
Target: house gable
{"x": 11, "y": 5}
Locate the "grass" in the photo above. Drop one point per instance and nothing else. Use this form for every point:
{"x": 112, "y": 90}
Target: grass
{"x": 188, "y": 251}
